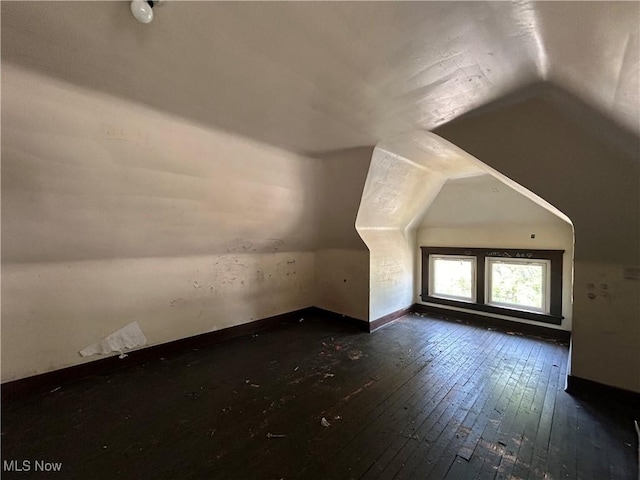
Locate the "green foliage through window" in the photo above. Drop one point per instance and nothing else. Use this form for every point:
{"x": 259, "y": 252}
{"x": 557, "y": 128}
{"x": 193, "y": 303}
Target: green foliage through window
{"x": 453, "y": 277}
{"x": 518, "y": 284}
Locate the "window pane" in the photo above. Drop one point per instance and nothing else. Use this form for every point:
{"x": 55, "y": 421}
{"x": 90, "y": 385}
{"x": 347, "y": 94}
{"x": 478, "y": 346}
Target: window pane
{"x": 518, "y": 284}
{"x": 453, "y": 277}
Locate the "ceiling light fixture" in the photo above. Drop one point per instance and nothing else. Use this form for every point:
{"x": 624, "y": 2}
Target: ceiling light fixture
{"x": 143, "y": 10}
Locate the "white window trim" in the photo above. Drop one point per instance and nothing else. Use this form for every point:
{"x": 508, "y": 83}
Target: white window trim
{"x": 546, "y": 298}
{"x": 474, "y": 271}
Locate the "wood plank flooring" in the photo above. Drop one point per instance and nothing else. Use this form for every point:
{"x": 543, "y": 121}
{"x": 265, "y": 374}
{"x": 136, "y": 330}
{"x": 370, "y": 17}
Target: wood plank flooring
{"x": 422, "y": 398}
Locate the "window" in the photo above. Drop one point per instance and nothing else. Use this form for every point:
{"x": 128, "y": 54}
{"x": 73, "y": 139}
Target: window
{"x": 517, "y": 283}
{"x": 452, "y": 276}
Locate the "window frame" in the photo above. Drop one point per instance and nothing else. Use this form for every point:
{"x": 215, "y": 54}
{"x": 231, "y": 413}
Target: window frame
{"x": 546, "y": 283}
{"x": 554, "y": 274}
{"x": 474, "y": 276}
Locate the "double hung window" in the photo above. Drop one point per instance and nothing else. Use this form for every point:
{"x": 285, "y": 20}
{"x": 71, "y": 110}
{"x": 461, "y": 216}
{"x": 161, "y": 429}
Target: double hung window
{"x": 517, "y": 283}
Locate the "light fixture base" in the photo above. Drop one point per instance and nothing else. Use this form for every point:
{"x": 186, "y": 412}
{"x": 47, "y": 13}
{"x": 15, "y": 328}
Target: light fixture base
{"x": 142, "y": 10}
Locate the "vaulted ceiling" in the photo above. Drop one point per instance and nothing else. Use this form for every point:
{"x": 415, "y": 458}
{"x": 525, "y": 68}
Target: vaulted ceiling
{"x": 313, "y": 77}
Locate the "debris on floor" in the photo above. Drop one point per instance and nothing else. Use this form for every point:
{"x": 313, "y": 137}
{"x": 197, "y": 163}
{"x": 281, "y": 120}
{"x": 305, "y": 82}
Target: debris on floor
{"x": 301, "y": 320}
{"x": 126, "y": 338}
{"x": 328, "y": 375}
{"x": 355, "y": 354}
{"x": 272, "y": 435}
{"x": 324, "y": 422}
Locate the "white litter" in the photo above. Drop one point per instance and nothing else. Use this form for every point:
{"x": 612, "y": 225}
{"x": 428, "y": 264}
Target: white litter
{"x": 126, "y": 338}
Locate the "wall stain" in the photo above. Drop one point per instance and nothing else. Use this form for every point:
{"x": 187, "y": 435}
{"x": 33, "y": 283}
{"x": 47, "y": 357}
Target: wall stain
{"x": 179, "y": 302}
{"x": 259, "y": 245}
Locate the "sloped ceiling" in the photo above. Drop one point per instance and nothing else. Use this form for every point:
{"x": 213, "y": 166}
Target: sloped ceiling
{"x": 483, "y": 200}
{"x": 593, "y": 52}
{"x": 592, "y": 178}
{"x": 322, "y": 76}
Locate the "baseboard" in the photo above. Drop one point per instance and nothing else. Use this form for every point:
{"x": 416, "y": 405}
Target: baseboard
{"x": 584, "y": 387}
{"x": 43, "y": 382}
{"x": 340, "y": 318}
{"x": 386, "y": 319}
{"x": 537, "y": 330}
{"x": 47, "y": 381}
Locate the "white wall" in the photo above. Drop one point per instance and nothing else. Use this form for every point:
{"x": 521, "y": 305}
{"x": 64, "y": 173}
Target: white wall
{"x": 391, "y": 270}
{"x": 50, "y": 311}
{"x": 113, "y": 212}
{"x": 342, "y": 261}
{"x": 482, "y": 211}
{"x": 606, "y": 335}
{"x": 342, "y": 282}
{"x": 405, "y": 175}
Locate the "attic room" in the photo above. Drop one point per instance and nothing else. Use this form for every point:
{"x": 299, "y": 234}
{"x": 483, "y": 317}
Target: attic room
{"x": 276, "y": 240}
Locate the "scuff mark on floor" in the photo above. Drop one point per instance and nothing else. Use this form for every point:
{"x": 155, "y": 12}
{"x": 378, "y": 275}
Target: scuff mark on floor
{"x": 357, "y": 391}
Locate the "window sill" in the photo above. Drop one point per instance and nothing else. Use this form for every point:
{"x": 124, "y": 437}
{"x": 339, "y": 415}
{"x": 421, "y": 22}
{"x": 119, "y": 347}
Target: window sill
{"x": 538, "y": 317}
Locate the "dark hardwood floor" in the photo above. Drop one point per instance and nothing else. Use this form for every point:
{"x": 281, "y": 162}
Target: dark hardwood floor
{"x": 422, "y": 398}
